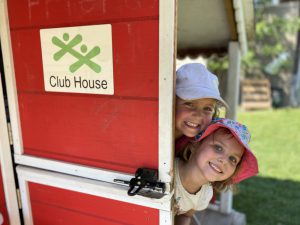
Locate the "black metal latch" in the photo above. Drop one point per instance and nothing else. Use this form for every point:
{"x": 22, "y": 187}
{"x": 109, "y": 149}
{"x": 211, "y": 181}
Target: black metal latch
{"x": 144, "y": 183}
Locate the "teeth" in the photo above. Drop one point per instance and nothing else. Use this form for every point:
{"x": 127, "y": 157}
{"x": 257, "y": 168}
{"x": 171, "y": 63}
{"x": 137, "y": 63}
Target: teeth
{"x": 215, "y": 167}
{"x": 191, "y": 124}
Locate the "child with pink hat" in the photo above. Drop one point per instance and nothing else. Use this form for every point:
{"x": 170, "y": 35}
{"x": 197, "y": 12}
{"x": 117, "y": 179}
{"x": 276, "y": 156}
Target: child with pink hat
{"x": 216, "y": 159}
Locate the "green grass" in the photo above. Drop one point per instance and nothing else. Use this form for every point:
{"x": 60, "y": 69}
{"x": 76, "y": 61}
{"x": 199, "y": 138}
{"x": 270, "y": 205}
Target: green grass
{"x": 272, "y": 197}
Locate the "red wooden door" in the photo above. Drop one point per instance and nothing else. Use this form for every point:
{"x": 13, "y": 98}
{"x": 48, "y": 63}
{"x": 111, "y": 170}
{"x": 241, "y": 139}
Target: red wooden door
{"x": 95, "y": 136}
{"x": 91, "y": 211}
{"x": 106, "y": 131}
{"x": 56, "y": 198}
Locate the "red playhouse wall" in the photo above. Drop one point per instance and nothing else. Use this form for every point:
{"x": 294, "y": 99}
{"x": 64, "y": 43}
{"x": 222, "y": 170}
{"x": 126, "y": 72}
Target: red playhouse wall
{"x": 117, "y": 132}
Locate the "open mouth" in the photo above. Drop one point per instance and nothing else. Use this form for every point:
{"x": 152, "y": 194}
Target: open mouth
{"x": 191, "y": 124}
{"x": 215, "y": 168}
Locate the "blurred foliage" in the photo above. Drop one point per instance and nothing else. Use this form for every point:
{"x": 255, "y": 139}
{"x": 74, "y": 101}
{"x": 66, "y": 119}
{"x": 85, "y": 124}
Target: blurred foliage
{"x": 269, "y": 53}
{"x": 271, "y": 50}
{"x": 217, "y": 64}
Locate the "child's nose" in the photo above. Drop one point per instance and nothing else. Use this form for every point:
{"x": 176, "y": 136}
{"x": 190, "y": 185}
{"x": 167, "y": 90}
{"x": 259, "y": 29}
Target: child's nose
{"x": 222, "y": 160}
{"x": 198, "y": 116}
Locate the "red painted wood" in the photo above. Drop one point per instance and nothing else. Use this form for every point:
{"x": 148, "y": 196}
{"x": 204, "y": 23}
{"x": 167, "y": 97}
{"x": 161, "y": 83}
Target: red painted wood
{"x": 32, "y": 13}
{"x": 118, "y": 132}
{"x": 3, "y": 209}
{"x": 135, "y": 53}
{"x": 52, "y": 205}
{"x": 115, "y": 133}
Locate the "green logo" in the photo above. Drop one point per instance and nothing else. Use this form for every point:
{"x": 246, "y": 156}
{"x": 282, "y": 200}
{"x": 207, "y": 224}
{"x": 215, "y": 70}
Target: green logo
{"x": 67, "y": 46}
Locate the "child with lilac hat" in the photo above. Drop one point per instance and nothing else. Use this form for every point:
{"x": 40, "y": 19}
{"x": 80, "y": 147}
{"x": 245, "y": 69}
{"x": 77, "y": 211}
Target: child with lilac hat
{"x": 217, "y": 159}
{"x": 198, "y": 101}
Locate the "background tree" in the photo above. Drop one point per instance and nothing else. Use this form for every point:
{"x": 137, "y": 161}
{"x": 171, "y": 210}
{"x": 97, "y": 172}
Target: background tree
{"x": 272, "y": 50}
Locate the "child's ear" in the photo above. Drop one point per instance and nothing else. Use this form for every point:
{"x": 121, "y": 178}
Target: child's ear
{"x": 194, "y": 146}
{"x": 189, "y": 150}
{"x": 192, "y": 149}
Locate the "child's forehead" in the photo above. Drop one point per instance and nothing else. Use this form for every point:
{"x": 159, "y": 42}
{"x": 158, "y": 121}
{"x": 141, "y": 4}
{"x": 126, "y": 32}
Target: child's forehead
{"x": 220, "y": 133}
{"x": 202, "y": 101}
{"x": 223, "y": 130}
{"x": 225, "y": 136}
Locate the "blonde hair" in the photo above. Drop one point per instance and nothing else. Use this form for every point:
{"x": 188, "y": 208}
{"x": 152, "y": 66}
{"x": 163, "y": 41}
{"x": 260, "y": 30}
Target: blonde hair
{"x": 218, "y": 107}
{"x": 219, "y": 186}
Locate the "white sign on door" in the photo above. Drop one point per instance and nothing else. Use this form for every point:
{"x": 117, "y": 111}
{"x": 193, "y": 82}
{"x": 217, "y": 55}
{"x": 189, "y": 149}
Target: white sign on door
{"x": 78, "y": 59}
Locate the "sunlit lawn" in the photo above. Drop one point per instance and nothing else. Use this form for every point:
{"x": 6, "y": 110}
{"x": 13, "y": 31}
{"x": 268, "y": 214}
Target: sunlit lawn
{"x": 273, "y": 197}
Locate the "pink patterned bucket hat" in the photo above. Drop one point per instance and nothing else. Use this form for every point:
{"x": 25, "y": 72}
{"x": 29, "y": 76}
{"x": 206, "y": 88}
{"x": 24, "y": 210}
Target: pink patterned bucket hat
{"x": 249, "y": 165}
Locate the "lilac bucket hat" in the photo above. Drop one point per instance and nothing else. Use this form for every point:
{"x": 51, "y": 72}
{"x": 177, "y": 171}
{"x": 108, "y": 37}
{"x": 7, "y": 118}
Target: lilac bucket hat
{"x": 194, "y": 81}
{"x": 248, "y": 164}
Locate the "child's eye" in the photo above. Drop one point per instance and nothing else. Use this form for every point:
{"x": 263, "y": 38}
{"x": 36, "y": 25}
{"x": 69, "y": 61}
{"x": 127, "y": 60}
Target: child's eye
{"x": 189, "y": 104}
{"x": 233, "y": 159}
{"x": 208, "y": 109}
{"x": 218, "y": 148}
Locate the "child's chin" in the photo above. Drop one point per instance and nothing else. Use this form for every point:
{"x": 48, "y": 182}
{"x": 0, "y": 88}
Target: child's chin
{"x": 191, "y": 134}
{"x": 212, "y": 178}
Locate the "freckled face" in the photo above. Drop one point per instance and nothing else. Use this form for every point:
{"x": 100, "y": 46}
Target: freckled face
{"x": 218, "y": 156}
{"x": 193, "y": 116}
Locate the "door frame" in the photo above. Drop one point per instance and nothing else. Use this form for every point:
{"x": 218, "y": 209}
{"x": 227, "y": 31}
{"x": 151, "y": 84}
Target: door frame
{"x": 7, "y": 170}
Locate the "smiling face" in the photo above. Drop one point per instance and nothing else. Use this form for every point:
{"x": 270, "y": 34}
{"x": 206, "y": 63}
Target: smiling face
{"x": 193, "y": 116}
{"x": 218, "y": 155}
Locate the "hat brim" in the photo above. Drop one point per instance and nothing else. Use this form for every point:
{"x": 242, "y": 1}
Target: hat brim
{"x": 248, "y": 164}
{"x": 194, "y": 93}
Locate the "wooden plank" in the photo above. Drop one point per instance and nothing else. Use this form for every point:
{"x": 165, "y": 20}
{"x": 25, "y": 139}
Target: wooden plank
{"x": 261, "y": 82}
{"x": 32, "y": 13}
{"x": 119, "y": 134}
{"x": 167, "y": 61}
{"x": 233, "y": 88}
{"x": 256, "y": 94}
{"x": 256, "y": 105}
{"x": 135, "y": 62}
{"x": 255, "y": 89}
{"x": 256, "y": 98}
{"x": 121, "y": 116}
{"x": 9, "y": 202}
{"x": 52, "y": 205}
{"x": 231, "y": 20}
